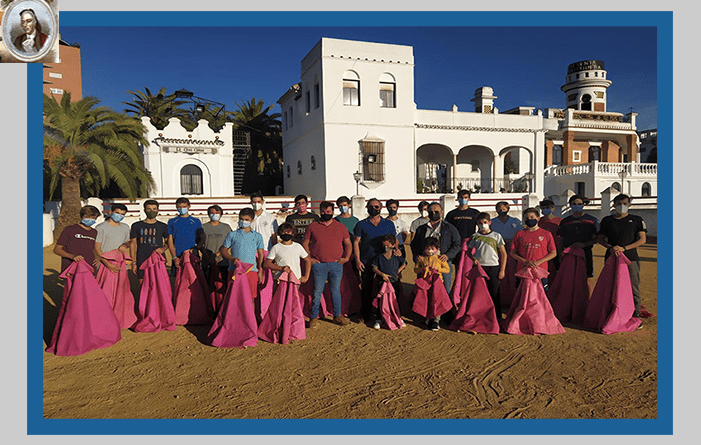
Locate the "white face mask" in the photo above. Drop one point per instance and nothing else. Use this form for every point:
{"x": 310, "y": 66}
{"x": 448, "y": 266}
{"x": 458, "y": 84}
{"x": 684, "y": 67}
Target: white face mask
{"x": 483, "y": 227}
{"x": 258, "y": 206}
{"x": 622, "y": 209}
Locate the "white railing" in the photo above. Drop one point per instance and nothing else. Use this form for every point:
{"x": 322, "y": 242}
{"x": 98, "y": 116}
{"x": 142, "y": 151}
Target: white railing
{"x": 562, "y": 170}
{"x": 603, "y": 169}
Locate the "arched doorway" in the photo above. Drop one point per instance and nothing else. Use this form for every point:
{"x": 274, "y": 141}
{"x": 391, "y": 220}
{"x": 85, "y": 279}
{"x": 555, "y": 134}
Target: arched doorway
{"x": 474, "y": 169}
{"x": 434, "y": 163}
{"x": 518, "y": 170}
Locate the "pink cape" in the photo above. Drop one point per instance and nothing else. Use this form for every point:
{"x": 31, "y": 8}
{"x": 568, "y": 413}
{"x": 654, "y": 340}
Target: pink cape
{"x": 431, "y": 300}
{"x": 386, "y": 300}
{"x": 191, "y": 291}
{"x": 530, "y": 312}
{"x": 611, "y": 305}
{"x": 86, "y": 320}
{"x": 284, "y": 320}
{"x": 476, "y": 311}
{"x": 569, "y": 294}
{"x": 350, "y": 290}
{"x": 117, "y": 288}
{"x": 460, "y": 283}
{"x": 265, "y": 292}
{"x": 155, "y": 298}
{"x": 217, "y": 287}
{"x": 235, "y": 325}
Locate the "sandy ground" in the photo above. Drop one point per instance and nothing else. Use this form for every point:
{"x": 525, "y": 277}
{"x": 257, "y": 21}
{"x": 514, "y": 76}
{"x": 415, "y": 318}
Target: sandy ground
{"x": 356, "y": 372}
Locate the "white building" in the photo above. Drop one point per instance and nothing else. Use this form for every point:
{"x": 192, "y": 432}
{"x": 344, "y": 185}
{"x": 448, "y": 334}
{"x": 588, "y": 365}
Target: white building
{"x": 354, "y": 111}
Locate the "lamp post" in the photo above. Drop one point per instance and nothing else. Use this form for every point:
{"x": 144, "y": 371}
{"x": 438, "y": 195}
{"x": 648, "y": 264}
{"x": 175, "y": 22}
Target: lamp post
{"x": 357, "y": 177}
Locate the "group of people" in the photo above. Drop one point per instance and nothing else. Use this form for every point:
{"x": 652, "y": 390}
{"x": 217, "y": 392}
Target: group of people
{"x": 360, "y": 262}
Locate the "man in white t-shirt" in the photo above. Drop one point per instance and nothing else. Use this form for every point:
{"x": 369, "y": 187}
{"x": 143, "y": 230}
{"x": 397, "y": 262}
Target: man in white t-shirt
{"x": 264, "y": 222}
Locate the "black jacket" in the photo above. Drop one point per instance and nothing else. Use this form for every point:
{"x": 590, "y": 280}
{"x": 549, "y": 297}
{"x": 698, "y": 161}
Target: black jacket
{"x": 451, "y": 243}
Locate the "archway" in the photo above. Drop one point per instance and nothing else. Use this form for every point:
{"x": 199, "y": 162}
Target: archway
{"x": 434, "y": 163}
{"x": 518, "y": 169}
{"x": 474, "y": 169}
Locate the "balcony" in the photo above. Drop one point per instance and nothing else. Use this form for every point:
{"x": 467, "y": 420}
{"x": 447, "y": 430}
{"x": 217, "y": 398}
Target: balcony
{"x": 612, "y": 169}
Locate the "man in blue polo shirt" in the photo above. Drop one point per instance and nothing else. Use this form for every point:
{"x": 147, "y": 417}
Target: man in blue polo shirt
{"x": 182, "y": 230}
{"x": 245, "y": 245}
{"x": 366, "y": 245}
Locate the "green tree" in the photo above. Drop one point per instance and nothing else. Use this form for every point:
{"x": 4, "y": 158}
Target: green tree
{"x": 264, "y": 166}
{"x": 88, "y": 148}
{"x": 160, "y": 107}
{"x": 215, "y": 115}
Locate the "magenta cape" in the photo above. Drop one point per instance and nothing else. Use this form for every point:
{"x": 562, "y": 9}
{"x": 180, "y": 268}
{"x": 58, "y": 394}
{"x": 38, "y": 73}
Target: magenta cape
{"x": 284, "y": 320}
{"x": 265, "y": 292}
{"x": 235, "y": 325}
{"x": 461, "y": 282}
{"x": 117, "y": 289}
{"x": 569, "y": 294}
{"x": 386, "y": 301}
{"x": 476, "y": 311}
{"x": 611, "y": 305}
{"x": 191, "y": 292}
{"x": 217, "y": 287}
{"x": 155, "y": 298}
{"x": 350, "y": 290}
{"x": 85, "y": 320}
{"x": 431, "y": 300}
{"x": 530, "y": 312}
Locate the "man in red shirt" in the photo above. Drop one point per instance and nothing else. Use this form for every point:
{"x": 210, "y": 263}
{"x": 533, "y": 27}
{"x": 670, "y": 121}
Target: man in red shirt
{"x": 328, "y": 243}
{"x": 533, "y": 246}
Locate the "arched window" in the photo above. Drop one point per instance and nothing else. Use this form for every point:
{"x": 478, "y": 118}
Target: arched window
{"x": 616, "y": 186}
{"x": 191, "y": 180}
{"x": 647, "y": 189}
{"x": 299, "y": 167}
{"x": 586, "y": 102}
{"x": 557, "y": 155}
{"x": 351, "y": 88}
{"x": 387, "y": 91}
{"x": 594, "y": 153}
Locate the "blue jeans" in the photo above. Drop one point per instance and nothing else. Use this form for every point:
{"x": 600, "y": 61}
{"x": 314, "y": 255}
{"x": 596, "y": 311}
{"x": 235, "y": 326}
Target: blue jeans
{"x": 447, "y": 277}
{"x": 320, "y": 273}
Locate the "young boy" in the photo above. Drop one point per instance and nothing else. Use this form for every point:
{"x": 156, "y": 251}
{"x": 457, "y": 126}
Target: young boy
{"x": 301, "y": 218}
{"x": 146, "y": 236}
{"x": 286, "y": 254}
{"x": 426, "y": 264}
{"x": 112, "y": 234}
{"x": 245, "y": 245}
{"x": 345, "y": 217}
{"x": 182, "y": 231}
{"x": 533, "y": 246}
{"x": 387, "y": 266}
{"x": 490, "y": 253}
{"x": 76, "y": 242}
{"x": 213, "y": 264}
{"x": 580, "y": 230}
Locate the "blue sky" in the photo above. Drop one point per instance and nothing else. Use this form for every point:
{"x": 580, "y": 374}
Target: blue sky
{"x": 526, "y": 66}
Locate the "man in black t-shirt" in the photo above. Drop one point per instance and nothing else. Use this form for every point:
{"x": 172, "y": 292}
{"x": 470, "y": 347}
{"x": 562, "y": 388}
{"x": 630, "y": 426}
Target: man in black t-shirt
{"x": 624, "y": 233}
{"x": 463, "y": 217}
{"x": 580, "y": 230}
{"x": 146, "y": 236}
{"x": 301, "y": 218}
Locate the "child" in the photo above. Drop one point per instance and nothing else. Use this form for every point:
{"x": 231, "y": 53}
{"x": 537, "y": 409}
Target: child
{"x": 533, "y": 246}
{"x": 428, "y": 264}
{"x": 77, "y": 241}
{"x": 245, "y": 245}
{"x": 147, "y": 236}
{"x": 286, "y": 254}
{"x": 387, "y": 267}
{"x": 182, "y": 231}
{"x": 490, "y": 253}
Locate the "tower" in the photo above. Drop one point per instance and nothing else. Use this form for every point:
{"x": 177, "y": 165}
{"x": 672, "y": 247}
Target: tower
{"x": 586, "y": 86}
{"x": 484, "y": 100}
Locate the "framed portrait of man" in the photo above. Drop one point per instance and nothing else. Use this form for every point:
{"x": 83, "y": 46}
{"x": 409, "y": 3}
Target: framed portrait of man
{"x": 29, "y": 31}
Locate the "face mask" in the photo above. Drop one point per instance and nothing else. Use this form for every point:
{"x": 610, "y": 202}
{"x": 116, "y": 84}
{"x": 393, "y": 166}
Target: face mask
{"x": 502, "y": 212}
{"x": 258, "y": 206}
{"x": 151, "y": 214}
{"x": 214, "y": 216}
{"x": 286, "y": 236}
{"x": 547, "y": 211}
{"x": 388, "y": 248}
{"x": 463, "y": 202}
{"x": 431, "y": 252}
{"x": 244, "y": 224}
{"x": 343, "y": 209}
{"x": 302, "y": 208}
{"x": 372, "y": 211}
{"x": 622, "y": 209}
{"x": 483, "y": 227}
{"x": 325, "y": 217}
{"x": 531, "y": 222}
{"x": 116, "y": 217}
{"x": 392, "y": 212}
{"x": 183, "y": 210}
{"x": 87, "y": 222}
{"x": 434, "y": 216}
{"x": 577, "y": 208}
{"x": 422, "y": 213}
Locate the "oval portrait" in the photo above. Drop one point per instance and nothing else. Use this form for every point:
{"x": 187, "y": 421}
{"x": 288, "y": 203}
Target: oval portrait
{"x": 29, "y": 29}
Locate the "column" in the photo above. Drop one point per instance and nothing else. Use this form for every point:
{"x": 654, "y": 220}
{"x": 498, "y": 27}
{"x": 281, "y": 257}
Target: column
{"x": 454, "y": 173}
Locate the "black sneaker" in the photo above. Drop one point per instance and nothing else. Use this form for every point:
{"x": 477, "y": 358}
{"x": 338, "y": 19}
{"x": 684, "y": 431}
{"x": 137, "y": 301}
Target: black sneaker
{"x": 433, "y": 325}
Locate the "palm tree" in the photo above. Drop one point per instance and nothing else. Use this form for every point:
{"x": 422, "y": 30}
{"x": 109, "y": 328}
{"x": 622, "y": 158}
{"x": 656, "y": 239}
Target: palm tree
{"x": 264, "y": 166}
{"x": 86, "y": 149}
{"x": 159, "y": 108}
{"x": 215, "y": 115}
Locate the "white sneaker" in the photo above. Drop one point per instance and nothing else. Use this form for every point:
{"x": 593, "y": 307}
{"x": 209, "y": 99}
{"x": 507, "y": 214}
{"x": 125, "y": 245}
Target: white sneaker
{"x": 402, "y": 325}
{"x": 376, "y": 326}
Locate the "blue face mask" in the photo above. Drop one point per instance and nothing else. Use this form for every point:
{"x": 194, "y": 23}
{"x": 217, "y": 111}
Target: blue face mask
{"x": 87, "y": 222}
{"x": 343, "y": 209}
{"x": 244, "y": 224}
{"x": 214, "y": 216}
{"x": 391, "y": 212}
{"x": 547, "y": 211}
{"x": 463, "y": 202}
{"x": 183, "y": 210}
{"x": 577, "y": 208}
{"x": 116, "y": 217}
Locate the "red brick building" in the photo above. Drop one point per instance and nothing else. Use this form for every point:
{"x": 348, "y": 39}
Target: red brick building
{"x": 64, "y": 76}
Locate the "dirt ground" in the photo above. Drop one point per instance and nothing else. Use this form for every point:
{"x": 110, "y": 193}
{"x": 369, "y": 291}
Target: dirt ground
{"x": 356, "y": 372}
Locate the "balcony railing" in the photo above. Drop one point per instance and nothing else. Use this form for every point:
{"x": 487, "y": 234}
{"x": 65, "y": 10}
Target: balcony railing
{"x": 603, "y": 169}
